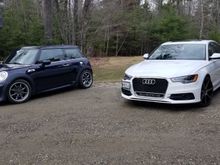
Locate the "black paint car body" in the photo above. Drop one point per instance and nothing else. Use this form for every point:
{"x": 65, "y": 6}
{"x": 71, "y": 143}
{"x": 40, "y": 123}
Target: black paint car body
{"x": 41, "y": 69}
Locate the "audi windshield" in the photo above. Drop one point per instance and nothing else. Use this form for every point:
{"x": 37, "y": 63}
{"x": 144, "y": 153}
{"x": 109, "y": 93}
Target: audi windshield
{"x": 180, "y": 52}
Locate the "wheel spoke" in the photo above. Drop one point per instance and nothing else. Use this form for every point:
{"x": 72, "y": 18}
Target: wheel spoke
{"x": 209, "y": 90}
{"x": 206, "y": 92}
{"x": 209, "y": 96}
{"x": 207, "y": 85}
{"x": 22, "y": 94}
{"x": 17, "y": 97}
{"x": 205, "y": 100}
{"x": 13, "y": 94}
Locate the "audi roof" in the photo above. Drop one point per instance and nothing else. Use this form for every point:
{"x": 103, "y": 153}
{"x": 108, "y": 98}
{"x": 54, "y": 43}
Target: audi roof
{"x": 189, "y": 42}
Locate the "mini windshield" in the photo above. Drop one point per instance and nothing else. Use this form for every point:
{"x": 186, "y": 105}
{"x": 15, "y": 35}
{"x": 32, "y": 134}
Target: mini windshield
{"x": 180, "y": 52}
{"x": 24, "y": 57}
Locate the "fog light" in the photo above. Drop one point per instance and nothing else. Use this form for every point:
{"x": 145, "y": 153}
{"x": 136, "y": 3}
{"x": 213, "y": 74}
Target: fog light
{"x": 126, "y": 85}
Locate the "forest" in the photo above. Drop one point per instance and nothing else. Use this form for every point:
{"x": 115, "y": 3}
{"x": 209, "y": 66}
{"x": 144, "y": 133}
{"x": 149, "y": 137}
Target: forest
{"x": 107, "y": 27}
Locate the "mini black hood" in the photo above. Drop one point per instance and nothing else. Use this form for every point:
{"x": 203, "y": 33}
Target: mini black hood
{"x": 8, "y": 67}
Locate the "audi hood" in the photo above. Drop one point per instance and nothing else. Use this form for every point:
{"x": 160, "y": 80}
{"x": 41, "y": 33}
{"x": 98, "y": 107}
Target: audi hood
{"x": 165, "y": 68}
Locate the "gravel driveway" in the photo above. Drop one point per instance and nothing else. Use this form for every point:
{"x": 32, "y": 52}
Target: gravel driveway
{"x": 96, "y": 126}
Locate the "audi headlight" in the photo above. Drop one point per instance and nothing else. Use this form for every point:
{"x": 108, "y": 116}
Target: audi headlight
{"x": 126, "y": 85}
{"x": 127, "y": 77}
{"x": 3, "y": 76}
{"x": 186, "y": 79}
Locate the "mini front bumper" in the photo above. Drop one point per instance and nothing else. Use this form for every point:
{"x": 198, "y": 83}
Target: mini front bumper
{"x": 2, "y": 92}
{"x": 172, "y": 89}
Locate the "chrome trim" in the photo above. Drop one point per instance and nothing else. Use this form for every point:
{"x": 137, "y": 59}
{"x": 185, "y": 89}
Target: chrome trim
{"x": 147, "y": 81}
{"x": 149, "y": 94}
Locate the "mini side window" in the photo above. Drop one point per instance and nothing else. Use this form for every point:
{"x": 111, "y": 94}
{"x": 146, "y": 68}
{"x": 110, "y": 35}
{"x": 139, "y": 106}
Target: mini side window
{"x": 52, "y": 55}
{"x": 72, "y": 54}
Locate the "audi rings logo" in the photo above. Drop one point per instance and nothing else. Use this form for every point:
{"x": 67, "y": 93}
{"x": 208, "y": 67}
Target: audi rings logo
{"x": 148, "y": 81}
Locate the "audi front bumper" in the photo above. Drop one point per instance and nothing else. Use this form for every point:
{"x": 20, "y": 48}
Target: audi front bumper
{"x": 176, "y": 93}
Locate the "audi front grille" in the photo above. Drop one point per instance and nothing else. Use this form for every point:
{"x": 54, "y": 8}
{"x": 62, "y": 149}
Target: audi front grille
{"x": 150, "y": 87}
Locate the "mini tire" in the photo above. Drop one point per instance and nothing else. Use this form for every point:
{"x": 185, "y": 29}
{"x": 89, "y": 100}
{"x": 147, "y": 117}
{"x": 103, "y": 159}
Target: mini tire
{"x": 19, "y": 91}
{"x": 85, "y": 79}
{"x": 206, "y": 92}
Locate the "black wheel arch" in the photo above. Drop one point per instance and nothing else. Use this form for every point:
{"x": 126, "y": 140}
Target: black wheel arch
{"x": 31, "y": 82}
{"x": 82, "y": 70}
{"x": 207, "y": 97}
{"x": 209, "y": 77}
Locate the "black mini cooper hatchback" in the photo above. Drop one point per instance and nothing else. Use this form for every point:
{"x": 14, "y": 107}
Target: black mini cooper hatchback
{"x": 32, "y": 70}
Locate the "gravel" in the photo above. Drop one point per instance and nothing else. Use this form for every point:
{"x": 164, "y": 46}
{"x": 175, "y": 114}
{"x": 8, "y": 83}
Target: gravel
{"x": 97, "y": 126}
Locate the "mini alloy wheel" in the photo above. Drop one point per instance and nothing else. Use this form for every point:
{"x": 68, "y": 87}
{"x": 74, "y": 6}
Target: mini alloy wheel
{"x": 86, "y": 79}
{"x": 19, "y": 91}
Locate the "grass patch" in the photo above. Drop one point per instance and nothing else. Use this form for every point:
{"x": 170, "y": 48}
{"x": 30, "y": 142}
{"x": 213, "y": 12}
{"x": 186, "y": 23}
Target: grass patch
{"x": 112, "y": 68}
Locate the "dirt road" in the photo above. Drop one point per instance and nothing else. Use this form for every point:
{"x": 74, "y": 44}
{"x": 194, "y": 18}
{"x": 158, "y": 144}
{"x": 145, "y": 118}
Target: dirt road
{"x": 96, "y": 126}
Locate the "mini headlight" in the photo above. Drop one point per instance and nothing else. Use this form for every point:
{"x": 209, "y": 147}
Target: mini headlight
{"x": 3, "y": 76}
{"x": 127, "y": 77}
{"x": 186, "y": 79}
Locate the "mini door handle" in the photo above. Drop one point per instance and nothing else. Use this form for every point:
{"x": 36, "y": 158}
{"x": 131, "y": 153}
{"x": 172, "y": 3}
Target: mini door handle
{"x": 66, "y": 64}
{"x": 31, "y": 70}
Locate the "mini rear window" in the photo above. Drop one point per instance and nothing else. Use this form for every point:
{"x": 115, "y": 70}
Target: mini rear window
{"x": 72, "y": 53}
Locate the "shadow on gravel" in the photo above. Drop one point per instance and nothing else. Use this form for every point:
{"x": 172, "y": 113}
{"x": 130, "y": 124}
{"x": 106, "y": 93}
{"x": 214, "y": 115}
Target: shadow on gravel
{"x": 44, "y": 95}
{"x": 173, "y": 107}
{"x": 166, "y": 107}
{"x": 217, "y": 93}
{"x": 54, "y": 93}
{"x": 4, "y": 104}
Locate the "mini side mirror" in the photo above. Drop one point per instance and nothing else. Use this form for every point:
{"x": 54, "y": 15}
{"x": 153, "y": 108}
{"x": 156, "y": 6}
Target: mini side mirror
{"x": 146, "y": 56}
{"x": 215, "y": 56}
{"x": 45, "y": 62}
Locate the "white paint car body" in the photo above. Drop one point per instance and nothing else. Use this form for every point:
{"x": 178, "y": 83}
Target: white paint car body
{"x": 169, "y": 70}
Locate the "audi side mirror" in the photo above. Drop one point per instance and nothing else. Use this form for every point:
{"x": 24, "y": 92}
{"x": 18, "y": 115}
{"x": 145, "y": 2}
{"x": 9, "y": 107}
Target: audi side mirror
{"x": 215, "y": 56}
{"x": 146, "y": 56}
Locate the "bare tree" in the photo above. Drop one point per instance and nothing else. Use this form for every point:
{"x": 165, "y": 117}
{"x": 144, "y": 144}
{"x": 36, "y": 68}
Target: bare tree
{"x": 47, "y": 14}
{"x": 201, "y": 19}
{"x": 84, "y": 22}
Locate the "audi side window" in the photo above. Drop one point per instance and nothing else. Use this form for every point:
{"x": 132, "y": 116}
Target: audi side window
{"x": 72, "y": 54}
{"x": 211, "y": 49}
{"x": 52, "y": 55}
{"x": 217, "y": 48}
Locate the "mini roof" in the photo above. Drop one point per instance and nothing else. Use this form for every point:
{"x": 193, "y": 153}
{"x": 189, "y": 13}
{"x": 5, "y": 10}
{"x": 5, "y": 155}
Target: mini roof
{"x": 50, "y": 47}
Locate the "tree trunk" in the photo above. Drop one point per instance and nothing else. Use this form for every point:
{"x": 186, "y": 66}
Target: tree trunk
{"x": 76, "y": 22}
{"x": 108, "y": 40}
{"x": 84, "y": 20}
{"x": 47, "y": 13}
{"x": 202, "y": 19}
{"x": 117, "y": 40}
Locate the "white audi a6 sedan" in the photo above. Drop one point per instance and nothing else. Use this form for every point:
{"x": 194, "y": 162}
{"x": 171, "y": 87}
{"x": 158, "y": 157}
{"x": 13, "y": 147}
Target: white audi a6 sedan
{"x": 175, "y": 73}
